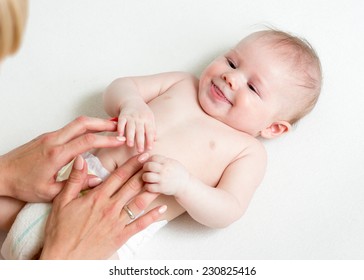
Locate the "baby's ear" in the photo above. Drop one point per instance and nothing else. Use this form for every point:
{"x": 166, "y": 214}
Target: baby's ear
{"x": 276, "y": 129}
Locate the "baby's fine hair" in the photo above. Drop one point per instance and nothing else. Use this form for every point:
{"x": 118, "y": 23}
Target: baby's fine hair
{"x": 305, "y": 65}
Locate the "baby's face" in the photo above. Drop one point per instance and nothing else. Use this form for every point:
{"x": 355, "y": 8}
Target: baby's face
{"x": 248, "y": 87}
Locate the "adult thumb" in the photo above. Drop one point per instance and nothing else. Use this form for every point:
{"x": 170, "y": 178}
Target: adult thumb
{"x": 76, "y": 181}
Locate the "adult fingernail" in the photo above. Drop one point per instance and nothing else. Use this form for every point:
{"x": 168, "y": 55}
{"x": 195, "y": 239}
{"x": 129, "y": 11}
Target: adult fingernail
{"x": 93, "y": 182}
{"x": 78, "y": 164}
{"x": 143, "y": 157}
{"x": 121, "y": 138}
{"x": 162, "y": 209}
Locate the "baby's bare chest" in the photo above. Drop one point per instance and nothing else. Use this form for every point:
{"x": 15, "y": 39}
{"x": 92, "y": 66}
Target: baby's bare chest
{"x": 185, "y": 133}
{"x": 202, "y": 144}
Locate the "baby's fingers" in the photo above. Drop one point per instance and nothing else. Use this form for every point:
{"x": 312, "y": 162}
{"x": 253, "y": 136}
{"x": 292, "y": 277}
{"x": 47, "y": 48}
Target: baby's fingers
{"x": 121, "y": 126}
{"x": 151, "y": 177}
{"x": 139, "y": 137}
{"x": 152, "y": 166}
{"x": 150, "y": 134}
{"x": 153, "y": 188}
{"x": 130, "y": 133}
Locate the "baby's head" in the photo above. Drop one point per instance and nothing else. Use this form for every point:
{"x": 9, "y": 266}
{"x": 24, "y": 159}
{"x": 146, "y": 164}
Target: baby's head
{"x": 264, "y": 85}
{"x": 304, "y": 69}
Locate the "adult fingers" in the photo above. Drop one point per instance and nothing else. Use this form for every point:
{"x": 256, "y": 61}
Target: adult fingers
{"x": 76, "y": 181}
{"x": 143, "y": 222}
{"x": 118, "y": 178}
{"x": 135, "y": 207}
{"x": 56, "y": 187}
{"x": 82, "y": 125}
{"x": 87, "y": 142}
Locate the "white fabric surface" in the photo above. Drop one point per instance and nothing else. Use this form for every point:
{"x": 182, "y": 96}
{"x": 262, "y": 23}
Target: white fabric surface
{"x": 310, "y": 204}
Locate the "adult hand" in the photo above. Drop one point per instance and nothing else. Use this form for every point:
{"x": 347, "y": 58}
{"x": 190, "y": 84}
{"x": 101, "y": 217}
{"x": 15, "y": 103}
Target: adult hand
{"x": 29, "y": 172}
{"x": 95, "y": 225}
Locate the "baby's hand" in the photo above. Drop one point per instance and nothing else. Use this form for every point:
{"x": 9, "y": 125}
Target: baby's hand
{"x": 165, "y": 175}
{"x": 136, "y": 123}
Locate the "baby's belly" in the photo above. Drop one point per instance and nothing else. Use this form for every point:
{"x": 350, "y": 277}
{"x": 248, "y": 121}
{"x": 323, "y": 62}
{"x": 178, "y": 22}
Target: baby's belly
{"x": 204, "y": 159}
{"x": 199, "y": 160}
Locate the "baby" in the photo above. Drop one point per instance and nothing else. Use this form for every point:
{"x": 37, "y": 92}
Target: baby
{"x": 203, "y": 133}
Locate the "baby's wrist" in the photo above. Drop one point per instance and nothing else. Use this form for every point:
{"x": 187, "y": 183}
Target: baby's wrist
{"x": 134, "y": 102}
{"x": 184, "y": 187}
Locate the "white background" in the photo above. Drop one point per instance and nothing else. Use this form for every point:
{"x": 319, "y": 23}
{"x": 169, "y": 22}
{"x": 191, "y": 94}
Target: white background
{"x": 310, "y": 204}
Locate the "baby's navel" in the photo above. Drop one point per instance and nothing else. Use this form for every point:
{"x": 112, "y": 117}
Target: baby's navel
{"x": 212, "y": 144}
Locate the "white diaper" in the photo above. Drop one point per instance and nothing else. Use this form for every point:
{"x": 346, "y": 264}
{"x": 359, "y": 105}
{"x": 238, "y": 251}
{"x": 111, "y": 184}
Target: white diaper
{"x": 26, "y": 236}
{"x": 130, "y": 248}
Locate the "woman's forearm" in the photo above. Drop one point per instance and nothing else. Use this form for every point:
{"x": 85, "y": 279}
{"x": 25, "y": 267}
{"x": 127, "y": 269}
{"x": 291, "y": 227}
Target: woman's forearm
{"x": 9, "y": 209}
{"x": 5, "y": 189}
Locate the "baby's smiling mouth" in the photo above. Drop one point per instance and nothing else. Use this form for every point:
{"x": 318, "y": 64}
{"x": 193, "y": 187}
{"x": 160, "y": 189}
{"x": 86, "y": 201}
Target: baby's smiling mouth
{"x": 220, "y": 93}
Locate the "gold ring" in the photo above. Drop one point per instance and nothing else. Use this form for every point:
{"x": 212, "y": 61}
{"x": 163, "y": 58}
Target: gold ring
{"x": 129, "y": 212}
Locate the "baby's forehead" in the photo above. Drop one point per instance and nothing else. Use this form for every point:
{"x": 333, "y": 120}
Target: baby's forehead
{"x": 293, "y": 53}
{"x": 264, "y": 41}
{"x": 256, "y": 37}
{"x": 260, "y": 51}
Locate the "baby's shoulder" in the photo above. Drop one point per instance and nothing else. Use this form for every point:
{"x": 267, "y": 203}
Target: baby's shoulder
{"x": 182, "y": 77}
{"x": 185, "y": 83}
{"x": 253, "y": 148}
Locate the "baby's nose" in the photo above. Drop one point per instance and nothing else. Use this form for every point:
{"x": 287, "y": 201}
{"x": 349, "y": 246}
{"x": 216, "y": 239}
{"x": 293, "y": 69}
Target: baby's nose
{"x": 230, "y": 80}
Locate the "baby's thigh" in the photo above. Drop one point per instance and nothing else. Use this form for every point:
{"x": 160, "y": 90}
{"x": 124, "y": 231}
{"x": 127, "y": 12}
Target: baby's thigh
{"x": 174, "y": 208}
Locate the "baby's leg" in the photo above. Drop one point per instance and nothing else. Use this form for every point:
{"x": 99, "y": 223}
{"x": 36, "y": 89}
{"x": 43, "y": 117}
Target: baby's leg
{"x": 174, "y": 208}
{"x": 9, "y": 208}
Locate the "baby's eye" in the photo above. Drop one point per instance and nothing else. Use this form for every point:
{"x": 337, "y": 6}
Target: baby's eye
{"x": 251, "y": 87}
{"x": 231, "y": 63}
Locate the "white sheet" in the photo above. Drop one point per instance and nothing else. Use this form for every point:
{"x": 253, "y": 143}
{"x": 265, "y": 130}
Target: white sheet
{"x": 310, "y": 204}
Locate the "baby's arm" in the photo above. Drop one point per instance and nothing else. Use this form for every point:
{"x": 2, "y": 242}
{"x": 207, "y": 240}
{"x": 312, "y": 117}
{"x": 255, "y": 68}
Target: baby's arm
{"x": 214, "y": 207}
{"x": 127, "y": 99}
